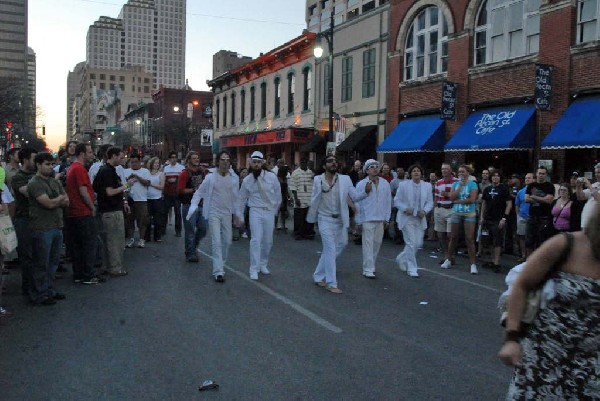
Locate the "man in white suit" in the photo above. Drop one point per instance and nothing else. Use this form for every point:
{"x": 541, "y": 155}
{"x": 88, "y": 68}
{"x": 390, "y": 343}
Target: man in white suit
{"x": 413, "y": 200}
{"x": 374, "y": 215}
{"x": 329, "y": 206}
{"x": 220, "y": 190}
{"x": 262, "y": 191}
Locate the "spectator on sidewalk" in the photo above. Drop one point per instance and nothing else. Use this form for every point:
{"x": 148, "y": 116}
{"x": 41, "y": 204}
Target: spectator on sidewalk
{"x": 442, "y": 214}
{"x": 591, "y": 194}
{"x": 138, "y": 200}
{"x": 156, "y": 202}
{"x": 495, "y": 210}
{"x": 301, "y": 187}
{"x": 195, "y": 227}
{"x": 171, "y": 194}
{"x": 539, "y": 195}
{"x": 522, "y": 211}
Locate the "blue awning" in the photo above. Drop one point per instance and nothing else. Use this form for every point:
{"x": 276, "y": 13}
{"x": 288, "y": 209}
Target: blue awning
{"x": 502, "y": 128}
{"x": 577, "y": 128}
{"x": 419, "y": 134}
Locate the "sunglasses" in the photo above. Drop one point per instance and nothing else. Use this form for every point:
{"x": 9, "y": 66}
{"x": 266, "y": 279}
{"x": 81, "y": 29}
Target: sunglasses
{"x": 331, "y": 161}
{"x": 225, "y": 159}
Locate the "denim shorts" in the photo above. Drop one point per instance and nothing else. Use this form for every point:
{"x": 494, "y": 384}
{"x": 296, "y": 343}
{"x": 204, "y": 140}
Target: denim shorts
{"x": 458, "y": 218}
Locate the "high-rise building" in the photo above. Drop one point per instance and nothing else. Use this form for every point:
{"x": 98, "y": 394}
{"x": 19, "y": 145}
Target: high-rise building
{"x": 225, "y": 60}
{"x": 74, "y": 79}
{"x": 31, "y": 71}
{"x": 13, "y": 39}
{"x": 147, "y": 33}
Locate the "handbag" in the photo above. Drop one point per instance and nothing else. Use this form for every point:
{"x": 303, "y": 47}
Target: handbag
{"x": 8, "y": 236}
{"x": 533, "y": 301}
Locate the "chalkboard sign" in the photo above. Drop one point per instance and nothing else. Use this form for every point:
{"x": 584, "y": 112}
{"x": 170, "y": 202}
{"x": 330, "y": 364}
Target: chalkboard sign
{"x": 543, "y": 86}
{"x": 448, "y": 110}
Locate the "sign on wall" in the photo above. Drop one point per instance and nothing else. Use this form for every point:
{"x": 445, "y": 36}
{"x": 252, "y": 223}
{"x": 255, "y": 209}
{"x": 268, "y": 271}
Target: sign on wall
{"x": 448, "y": 110}
{"x": 206, "y": 137}
{"x": 543, "y": 86}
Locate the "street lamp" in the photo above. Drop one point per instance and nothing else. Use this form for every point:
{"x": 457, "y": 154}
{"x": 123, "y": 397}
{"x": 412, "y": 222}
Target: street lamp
{"x": 318, "y": 52}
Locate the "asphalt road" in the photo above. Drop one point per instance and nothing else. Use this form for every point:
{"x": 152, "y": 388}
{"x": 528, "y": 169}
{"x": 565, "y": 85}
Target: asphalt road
{"x": 158, "y": 333}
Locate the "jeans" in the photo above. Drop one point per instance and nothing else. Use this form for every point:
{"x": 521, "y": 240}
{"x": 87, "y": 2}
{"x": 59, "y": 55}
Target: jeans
{"x": 84, "y": 237}
{"x": 195, "y": 229}
{"x": 173, "y": 202}
{"x": 220, "y": 232}
{"x": 46, "y": 250}
{"x": 156, "y": 210}
{"x": 25, "y": 253}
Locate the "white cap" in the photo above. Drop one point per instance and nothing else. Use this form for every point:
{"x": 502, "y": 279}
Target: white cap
{"x": 369, "y": 163}
{"x": 257, "y": 155}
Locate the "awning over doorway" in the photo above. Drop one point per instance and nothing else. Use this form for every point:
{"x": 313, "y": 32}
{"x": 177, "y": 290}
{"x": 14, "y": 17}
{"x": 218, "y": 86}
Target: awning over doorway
{"x": 315, "y": 144}
{"x": 296, "y": 135}
{"x": 355, "y": 138}
{"x": 502, "y": 128}
{"x": 577, "y": 127}
{"x": 418, "y": 134}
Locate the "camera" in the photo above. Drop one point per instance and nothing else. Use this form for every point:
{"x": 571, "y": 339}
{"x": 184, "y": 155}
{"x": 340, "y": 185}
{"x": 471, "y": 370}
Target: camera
{"x": 580, "y": 180}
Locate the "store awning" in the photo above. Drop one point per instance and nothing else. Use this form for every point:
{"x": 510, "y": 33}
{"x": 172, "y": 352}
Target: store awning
{"x": 577, "y": 127}
{"x": 355, "y": 137}
{"x": 502, "y": 128}
{"x": 418, "y": 134}
{"x": 295, "y": 135}
{"x": 316, "y": 143}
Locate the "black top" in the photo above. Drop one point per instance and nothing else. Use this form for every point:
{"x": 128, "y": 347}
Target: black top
{"x": 107, "y": 177}
{"x": 495, "y": 198}
{"x": 540, "y": 209}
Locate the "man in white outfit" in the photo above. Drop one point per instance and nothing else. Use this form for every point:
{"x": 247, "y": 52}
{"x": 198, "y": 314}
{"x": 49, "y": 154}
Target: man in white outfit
{"x": 374, "y": 215}
{"x": 329, "y": 206}
{"x": 262, "y": 191}
{"x": 413, "y": 200}
{"x": 220, "y": 193}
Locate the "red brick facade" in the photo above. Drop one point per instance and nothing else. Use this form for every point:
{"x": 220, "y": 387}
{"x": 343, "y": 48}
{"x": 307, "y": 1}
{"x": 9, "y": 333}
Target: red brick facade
{"x": 577, "y": 70}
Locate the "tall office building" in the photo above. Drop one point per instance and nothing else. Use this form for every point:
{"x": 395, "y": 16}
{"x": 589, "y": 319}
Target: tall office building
{"x": 226, "y": 60}
{"x": 147, "y": 33}
{"x": 74, "y": 80}
{"x": 13, "y": 39}
{"x": 31, "y": 73}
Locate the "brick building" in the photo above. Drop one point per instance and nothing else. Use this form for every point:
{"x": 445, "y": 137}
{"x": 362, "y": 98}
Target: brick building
{"x": 490, "y": 49}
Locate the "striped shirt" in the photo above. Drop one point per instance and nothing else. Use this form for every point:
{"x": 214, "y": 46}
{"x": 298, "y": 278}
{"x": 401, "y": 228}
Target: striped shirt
{"x": 302, "y": 182}
{"x": 442, "y": 185}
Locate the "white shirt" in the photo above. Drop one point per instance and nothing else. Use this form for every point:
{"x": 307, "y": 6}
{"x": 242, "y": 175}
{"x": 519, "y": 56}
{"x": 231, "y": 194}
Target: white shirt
{"x": 171, "y": 171}
{"x": 588, "y": 208}
{"x": 222, "y": 199}
{"x": 377, "y": 206}
{"x": 138, "y": 192}
{"x": 268, "y": 198}
{"x": 330, "y": 201}
{"x": 154, "y": 193}
{"x": 6, "y": 195}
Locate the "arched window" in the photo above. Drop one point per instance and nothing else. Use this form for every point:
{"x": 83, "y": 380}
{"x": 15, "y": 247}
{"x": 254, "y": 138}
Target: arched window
{"x": 277, "y": 93}
{"x": 243, "y": 105}
{"x": 233, "y": 109}
{"x": 426, "y": 47}
{"x": 588, "y": 20}
{"x": 307, "y": 86}
{"x": 218, "y": 104}
{"x": 506, "y": 29}
{"x": 224, "y": 111}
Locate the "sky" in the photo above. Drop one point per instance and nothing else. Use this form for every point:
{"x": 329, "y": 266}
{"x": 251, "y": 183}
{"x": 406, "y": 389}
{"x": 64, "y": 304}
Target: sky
{"x": 58, "y": 28}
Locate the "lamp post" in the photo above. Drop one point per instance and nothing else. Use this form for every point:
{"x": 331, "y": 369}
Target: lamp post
{"x": 318, "y": 52}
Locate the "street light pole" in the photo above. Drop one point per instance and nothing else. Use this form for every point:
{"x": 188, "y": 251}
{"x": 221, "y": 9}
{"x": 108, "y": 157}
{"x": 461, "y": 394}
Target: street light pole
{"x": 318, "y": 52}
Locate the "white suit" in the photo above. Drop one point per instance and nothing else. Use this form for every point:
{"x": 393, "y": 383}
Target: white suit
{"x": 375, "y": 211}
{"x": 333, "y": 228}
{"x": 219, "y": 218}
{"x": 419, "y": 198}
{"x": 264, "y": 197}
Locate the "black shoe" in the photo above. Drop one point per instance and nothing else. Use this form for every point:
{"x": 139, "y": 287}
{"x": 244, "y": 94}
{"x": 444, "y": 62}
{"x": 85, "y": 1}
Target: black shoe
{"x": 59, "y": 296}
{"x": 497, "y": 269}
{"x": 193, "y": 259}
{"x": 61, "y": 269}
{"x": 46, "y": 302}
{"x": 178, "y": 234}
{"x": 220, "y": 279}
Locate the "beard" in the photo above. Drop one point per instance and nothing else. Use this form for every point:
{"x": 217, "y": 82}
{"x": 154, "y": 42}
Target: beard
{"x": 256, "y": 172}
{"x": 332, "y": 169}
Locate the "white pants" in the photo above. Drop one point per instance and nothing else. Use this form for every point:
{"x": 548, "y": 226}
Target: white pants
{"x": 220, "y": 232}
{"x": 372, "y": 236}
{"x": 413, "y": 240}
{"x": 262, "y": 222}
{"x": 334, "y": 237}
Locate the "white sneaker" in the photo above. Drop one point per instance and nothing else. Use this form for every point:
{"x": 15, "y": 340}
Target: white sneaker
{"x": 141, "y": 243}
{"x": 244, "y": 235}
{"x": 446, "y": 265}
{"x": 413, "y": 274}
{"x": 401, "y": 265}
{"x": 474, "y": 269}
{"x": 264, "y": 270}
{"x": 130, "y": 243}
{"x": 253, "y": 276}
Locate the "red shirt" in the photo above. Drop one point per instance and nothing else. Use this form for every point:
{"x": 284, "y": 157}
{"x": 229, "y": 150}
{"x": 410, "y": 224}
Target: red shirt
{"x": 77, "y": 176}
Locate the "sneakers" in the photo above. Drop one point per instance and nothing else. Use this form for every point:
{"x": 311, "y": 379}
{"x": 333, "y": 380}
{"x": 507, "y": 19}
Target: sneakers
{"x": 401, "y": 265}
{"x": 193, "y": 259}
{"x": 93, "y": 280}
{"x": 130, "y": 243}
{"x": 141, "y": 243}
{"x": 369, "y": 275}
{"x": 446, "y": 265}
{"x": 219, "y": 278}
{"x": 413, "y": 274}
{"x": 264, "y": 270}
{"x": 474, "y": 269}
{"x": 244, "y": 235}
{"x": 253, "y": 276}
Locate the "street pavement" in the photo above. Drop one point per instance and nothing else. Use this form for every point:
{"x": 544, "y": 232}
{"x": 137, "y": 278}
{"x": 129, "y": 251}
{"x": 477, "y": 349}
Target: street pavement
{"x": 159, "y": 332}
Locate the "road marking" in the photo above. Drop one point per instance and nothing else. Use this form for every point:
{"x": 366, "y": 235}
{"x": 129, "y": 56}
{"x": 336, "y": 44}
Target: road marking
{"x": 453, "y": 278}
{"x": 298, "y": 308}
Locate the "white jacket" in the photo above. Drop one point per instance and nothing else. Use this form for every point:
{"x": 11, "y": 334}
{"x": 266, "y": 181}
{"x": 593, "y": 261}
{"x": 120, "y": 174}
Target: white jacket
{"x": 346, "y": 190}
{"x": 264, "y": 192}
{"x": 205, "y": 191}
{"x": 404, "y": 200}
{"x": 377, "y": 206}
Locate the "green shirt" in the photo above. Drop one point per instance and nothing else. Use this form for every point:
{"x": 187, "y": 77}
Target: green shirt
{"x": 22, "y": 202}
{"x": 41, "y": 218}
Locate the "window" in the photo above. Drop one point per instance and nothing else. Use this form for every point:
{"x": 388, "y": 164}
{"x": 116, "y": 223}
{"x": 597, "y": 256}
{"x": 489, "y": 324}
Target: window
{"x": 368, "y": 79}
{"x": 588, "y": 28}
{"x": 426, "y": 51}
{"x": 102, "y": 76}
{"x": 263, "y": 100}
{"x": 111, "y": 87}
{"x": 368, "y": 6}
{"x": 252, "y": 103}
{"x": 242, "y": 106}
{"x": 102, "y": 85}
{"x": 277, "y": 102}
{"x": 224, "y": 111}
{"x": 122, "y": 87}
{"x": 218, "y": 113}
{"x": 347, "y": 79}
{"x": 233, "y": 109}
{"x": 112, "y": 77}
{"x": 291, "y": 92}
{"x": 326, "y": 78}
{"x": 307, "y": 85}
{"x": 92, "y": 76}
{"x": 506, "y": 29}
